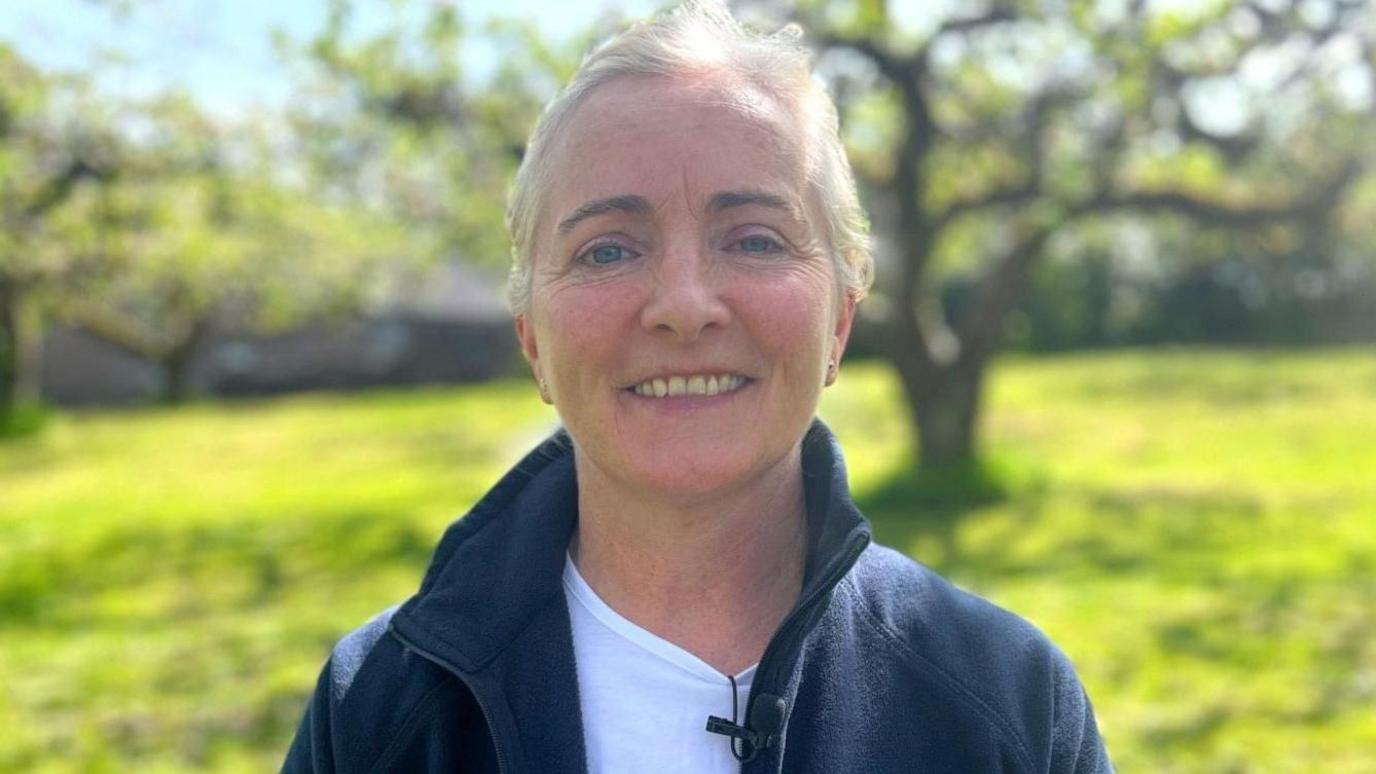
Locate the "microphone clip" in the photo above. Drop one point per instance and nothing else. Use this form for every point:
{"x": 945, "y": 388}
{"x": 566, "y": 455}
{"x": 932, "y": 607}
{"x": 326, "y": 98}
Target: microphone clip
{"x": 766, "y": 717}
{"x": 750, "y": 741}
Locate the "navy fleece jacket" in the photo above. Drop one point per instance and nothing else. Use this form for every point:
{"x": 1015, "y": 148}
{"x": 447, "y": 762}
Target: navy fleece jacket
{"x": 881, "y": 667}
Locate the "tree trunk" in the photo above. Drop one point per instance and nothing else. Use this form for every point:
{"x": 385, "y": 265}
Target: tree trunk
{"x": 945, "y": 411}
{"x": 174, "y": 383}
{"x": 176, "y": 367}
{"x": 9, "y": 348}
{"x": 943, "y": 397}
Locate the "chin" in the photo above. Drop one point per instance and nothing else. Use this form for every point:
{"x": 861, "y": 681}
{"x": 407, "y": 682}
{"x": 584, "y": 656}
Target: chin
{"x": 679, "y": 488}
{"x": 684, "y": 474}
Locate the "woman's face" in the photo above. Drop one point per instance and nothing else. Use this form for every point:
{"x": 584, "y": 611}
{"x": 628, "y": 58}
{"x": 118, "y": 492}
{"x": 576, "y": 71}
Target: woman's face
{"x": 683, "y": 306}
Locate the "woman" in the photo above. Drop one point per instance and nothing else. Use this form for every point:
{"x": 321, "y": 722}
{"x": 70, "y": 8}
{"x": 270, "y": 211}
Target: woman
{"x": 679, "y": 581}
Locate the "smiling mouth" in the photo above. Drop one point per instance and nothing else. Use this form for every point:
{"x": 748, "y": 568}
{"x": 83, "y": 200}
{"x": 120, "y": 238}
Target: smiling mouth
{"x": 675, "y": 386}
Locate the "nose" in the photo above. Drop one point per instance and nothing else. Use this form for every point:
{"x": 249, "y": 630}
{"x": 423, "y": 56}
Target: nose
{"x": 685, "y": 300}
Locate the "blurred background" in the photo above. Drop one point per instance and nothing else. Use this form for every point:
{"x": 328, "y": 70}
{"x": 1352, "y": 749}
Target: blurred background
{"x": 1117, "y": 374}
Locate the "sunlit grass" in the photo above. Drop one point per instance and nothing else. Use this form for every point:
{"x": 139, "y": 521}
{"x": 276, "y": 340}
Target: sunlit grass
{"x": 170, "y": 580}
{"x": 1195, "y": 528}
{"x": 1198, "y": 530}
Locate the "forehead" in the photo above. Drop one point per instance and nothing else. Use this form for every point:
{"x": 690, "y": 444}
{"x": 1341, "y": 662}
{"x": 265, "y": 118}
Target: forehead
{"x": 654, "y": 137}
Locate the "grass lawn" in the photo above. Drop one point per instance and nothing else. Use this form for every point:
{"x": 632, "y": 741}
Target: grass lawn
{"x": 1197, "y": 529}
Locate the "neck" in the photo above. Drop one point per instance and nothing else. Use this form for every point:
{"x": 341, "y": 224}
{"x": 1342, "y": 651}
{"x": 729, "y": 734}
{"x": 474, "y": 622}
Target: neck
{"x": 714, "y": 576}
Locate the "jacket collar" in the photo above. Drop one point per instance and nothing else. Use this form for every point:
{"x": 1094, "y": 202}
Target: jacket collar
{"x": 491, "y": 608}
{"x": 500, "y": 566}
{"x": 836, "y": 528}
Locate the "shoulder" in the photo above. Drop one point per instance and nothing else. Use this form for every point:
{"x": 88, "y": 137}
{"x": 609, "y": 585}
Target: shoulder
{"x": 376, "y": 695}
{"x": 369, "y": 663}
{"x": 940, "y": 622}
{"x": 352, "y": 650}
{"x": 999, "y": 667}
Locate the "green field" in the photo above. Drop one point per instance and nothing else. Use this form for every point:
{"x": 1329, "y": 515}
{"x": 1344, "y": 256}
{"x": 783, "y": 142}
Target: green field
{"x": 1197, "y": 529}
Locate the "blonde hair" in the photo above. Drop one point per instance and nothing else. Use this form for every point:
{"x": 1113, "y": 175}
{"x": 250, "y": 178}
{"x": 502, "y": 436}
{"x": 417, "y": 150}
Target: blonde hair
{"x": 702, "y": 37}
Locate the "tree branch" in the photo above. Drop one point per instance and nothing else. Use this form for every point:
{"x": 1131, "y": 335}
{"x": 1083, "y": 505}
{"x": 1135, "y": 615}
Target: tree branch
{"x": 999, "y": 293}
{"x": 1312, "y": 204}
{"x": 907, "y": 73}
{"x": 113, "y": 329}
{"x": 1022, "y": 193}
{"x": 1002, "y": 288}
{"x": 1234, "y": 149}
{"x": 1032, "y": 147}
{"x": 1002, "y": 12}
{"x": 58, "y": 188}
{"x": 892, "y": 66}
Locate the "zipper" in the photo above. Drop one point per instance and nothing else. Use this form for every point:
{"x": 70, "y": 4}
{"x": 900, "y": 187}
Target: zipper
{"x": 764, "y": 674}
{"x": 448, "y": 667}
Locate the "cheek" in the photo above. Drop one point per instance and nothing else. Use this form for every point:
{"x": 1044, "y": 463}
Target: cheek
{"x": 583, "y": 322}
{"x": 791, "y": 318}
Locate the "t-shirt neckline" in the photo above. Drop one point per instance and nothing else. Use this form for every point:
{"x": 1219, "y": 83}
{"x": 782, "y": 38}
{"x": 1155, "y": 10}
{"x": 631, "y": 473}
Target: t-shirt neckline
{"x": 641, "y": 637}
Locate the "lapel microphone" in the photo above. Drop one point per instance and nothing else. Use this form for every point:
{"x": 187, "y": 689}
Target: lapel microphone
{"x": 761, "y": 731}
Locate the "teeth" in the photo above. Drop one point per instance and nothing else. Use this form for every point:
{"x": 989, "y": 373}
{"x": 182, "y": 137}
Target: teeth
{"x": 675, "y": 386}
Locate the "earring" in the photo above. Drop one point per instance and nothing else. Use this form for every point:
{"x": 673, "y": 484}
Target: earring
{"x": 544, "y": 390}
{"x": 831, "y": 370}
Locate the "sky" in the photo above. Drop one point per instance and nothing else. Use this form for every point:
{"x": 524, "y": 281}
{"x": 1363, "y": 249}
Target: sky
{"x": 220, "y": 51}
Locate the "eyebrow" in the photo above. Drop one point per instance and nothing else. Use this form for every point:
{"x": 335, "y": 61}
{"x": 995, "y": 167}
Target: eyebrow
{"x": 639, "y": 205}
{"x": 636, "y": 205}
{"x": 728, "y": 199}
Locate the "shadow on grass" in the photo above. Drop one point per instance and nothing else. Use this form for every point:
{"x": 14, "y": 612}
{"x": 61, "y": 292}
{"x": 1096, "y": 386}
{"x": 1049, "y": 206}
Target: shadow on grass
{"x": 1166, "y": 532}
{"x": 49, "y": 585}
{"x": 915, "y": 504}
{"x": 24, "y": 420}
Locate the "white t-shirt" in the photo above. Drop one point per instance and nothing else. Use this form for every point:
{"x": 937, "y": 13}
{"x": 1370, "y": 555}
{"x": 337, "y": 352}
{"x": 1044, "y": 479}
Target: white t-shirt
{"x": 645, "y": 700}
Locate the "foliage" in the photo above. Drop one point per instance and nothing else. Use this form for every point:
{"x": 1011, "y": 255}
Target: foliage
{"x": 201, "y": 233}
{"x": 149, "y": 225}
{"x": 988, "y": 137}
{"x": 1191, "y": 526}
{"x": 53, "y": 145}
{"x": 393, "y": 118}
{"x": 1218, "y": 289}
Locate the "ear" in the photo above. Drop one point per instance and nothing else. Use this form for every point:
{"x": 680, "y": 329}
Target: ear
{"x": 845, "y": 318}
{"x": 525, "y": 334}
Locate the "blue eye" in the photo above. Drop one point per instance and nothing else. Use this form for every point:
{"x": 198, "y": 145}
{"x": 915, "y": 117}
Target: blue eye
{"x": 603, "y": 254}
{"x": 758, "y": 244}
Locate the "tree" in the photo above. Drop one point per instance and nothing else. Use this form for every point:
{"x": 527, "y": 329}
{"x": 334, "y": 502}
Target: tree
{"x": 393, "y": 120}
{"x": 45, "y": 160}
{"x": 198, "y": 225}
{"x": 199, "y": 234}
{"x": 983, "y": 140}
